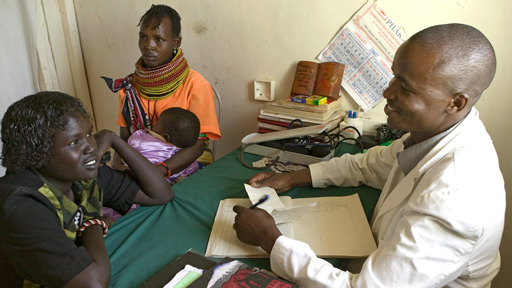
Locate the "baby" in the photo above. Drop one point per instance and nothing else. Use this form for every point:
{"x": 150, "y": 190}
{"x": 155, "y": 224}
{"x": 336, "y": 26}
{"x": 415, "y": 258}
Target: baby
{"x": 175, "y": 129}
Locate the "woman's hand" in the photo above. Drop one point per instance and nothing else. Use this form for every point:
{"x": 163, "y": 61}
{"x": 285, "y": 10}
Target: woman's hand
{"x": 155, "y": 190}
{"x": 104, "y": 140}
{"x": 184, "y": 157}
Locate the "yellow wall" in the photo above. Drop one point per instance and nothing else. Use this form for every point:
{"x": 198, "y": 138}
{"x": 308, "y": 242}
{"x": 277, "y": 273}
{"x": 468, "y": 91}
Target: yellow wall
{"x": 234, "y": 42}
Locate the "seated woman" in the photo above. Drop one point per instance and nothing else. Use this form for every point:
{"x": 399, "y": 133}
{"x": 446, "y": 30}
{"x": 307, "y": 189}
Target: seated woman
{"x": 51, "y": 224}
{"x": 163, "y": 79}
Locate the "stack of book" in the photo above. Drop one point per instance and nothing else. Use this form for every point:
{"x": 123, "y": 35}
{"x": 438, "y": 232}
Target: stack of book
{"x": 312, "y": 81}
{"x": 277, "y": 115}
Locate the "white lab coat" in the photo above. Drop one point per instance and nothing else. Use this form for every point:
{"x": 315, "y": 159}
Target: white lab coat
{"x": 438, "y": 226}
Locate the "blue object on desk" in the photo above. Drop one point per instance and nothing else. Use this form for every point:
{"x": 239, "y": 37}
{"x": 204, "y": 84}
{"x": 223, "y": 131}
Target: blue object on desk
{"x": 262, "y": 199}
{"x": 147, "y": 239}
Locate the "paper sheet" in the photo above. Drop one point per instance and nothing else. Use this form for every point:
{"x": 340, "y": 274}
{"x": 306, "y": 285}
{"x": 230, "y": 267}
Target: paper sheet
{"x": 256, "y": 193}
{"x": 366, "y": 45}
{"x": 281, "y": 208}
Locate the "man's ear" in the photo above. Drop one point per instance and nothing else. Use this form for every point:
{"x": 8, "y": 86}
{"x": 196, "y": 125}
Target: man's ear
{"x": 458, "y": 103}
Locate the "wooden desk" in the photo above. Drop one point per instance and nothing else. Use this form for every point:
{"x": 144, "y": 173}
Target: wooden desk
{"x": 147, "y": 239}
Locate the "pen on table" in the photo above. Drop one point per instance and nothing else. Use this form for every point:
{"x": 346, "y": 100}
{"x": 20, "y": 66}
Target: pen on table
{"x": 262, "y": 199}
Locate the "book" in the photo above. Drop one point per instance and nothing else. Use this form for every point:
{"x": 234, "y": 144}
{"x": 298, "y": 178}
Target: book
{"x": 291, "y": 114}
{"x": 229, "y": 272}
{"x": 167, "y": 273}
{"x": 266, "y": 126}
{"x": 287, "y": 102}
{"x": 282, "y": 122}
{"x": 263, "y": 130}
{"x": 272, "y": 122}
{"x": 272, "y": 127}
{"x": 320, "y": 79}
{"x": 332, "y": 227}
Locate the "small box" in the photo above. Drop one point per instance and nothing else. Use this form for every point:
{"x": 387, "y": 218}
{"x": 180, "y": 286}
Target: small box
{"x": 264, "y": 90}
{"x": 299, "y": 99}
{"x": 311, "y": 100}
{"x": 316, "y": 100}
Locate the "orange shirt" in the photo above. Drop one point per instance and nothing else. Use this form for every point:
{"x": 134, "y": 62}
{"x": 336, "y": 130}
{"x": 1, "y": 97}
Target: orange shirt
{"x": 195, "y": 94}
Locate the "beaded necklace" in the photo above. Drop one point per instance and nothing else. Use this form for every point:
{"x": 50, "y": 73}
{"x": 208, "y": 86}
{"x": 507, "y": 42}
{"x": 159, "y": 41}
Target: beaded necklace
{"x": 161, "y": 82}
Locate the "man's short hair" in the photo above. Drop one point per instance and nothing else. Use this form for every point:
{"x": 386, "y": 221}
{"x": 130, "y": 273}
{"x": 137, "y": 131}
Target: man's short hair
{"x": 466, "y": 57}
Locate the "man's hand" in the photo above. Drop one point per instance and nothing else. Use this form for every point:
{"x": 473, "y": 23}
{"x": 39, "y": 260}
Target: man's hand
{"x": 255, "y": 227}
{"x": 281, "y": 182}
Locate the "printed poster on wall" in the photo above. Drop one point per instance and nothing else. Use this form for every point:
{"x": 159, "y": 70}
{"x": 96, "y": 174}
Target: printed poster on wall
{"x": 366, "y": 45}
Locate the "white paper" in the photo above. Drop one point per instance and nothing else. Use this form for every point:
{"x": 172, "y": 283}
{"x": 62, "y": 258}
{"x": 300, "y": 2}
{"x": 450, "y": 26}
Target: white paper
{"x": 366, "y": 46}
{"x": 255, "y": 195}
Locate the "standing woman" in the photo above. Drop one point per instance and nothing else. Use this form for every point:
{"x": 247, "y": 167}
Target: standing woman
{"x": 163, "y": 79}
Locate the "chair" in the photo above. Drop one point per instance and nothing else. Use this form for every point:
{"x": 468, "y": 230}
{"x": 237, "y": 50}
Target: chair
{"x": 211, "y": 145}
{"x": 218, "y": 111}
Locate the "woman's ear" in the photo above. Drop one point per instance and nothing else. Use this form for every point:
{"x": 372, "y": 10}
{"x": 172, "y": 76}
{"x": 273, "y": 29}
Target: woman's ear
{"x": 458, "y": 103}
{"x": 177, "y": 42}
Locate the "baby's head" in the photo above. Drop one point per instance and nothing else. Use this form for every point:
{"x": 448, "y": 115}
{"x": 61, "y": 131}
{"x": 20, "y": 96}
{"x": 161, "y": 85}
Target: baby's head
{"x": 30, "y": 124}
{"x": 178, "y": 126}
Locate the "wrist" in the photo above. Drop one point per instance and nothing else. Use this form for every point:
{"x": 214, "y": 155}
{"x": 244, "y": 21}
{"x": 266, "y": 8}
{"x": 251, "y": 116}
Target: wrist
{"x": 300, "y": 178}
{"x": 167, "y": 169}
{"x": 93, "y": 222}
{"x": 270, "y": 241}
{"x": 116, "y": 140}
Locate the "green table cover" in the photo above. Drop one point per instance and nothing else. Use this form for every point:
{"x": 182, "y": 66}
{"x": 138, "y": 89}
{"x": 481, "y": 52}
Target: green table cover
{"x": 145, "y": 240}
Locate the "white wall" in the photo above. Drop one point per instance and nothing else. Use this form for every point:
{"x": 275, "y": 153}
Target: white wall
{"x": 18, "y": 59}
{"x": 233, "y": 42}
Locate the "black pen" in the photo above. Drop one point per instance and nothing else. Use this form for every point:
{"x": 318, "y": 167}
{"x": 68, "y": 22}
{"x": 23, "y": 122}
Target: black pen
{"x": 262, "y": 199}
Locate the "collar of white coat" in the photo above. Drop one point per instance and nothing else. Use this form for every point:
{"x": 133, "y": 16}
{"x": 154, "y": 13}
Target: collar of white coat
{"x": 414, "y": 152}
{"x": 446, "y": 144}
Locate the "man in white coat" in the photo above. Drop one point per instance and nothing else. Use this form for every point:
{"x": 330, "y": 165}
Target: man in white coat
{"x": 440, "y": 216}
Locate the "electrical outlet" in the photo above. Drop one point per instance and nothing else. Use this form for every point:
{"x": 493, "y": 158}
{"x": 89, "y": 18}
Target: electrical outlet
{"x": 264, "y": 90}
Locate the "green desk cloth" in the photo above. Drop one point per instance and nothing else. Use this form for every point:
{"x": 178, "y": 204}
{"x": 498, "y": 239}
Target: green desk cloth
{"x": 145, "y": 240}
